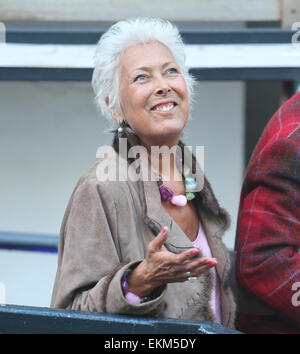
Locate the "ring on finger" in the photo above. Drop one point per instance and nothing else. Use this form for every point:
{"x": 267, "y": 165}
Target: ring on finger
{"x": 190, "y": 278}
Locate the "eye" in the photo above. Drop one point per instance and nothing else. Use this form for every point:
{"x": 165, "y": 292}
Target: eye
{"x": 172, "y": 71}
{"x": 139, "y": 77}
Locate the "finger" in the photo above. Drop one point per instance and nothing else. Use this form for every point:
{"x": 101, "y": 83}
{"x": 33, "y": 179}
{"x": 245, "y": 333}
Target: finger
{"x": 188, "y": 261}
{"x": 183, "y": 275}
{"x": 200, "y": 269}
{"x": 193, "y": 269}
{"x": 202, "y": 261}
{"x": 191, "y": 255}
{"x": 187, "y": 255}
{"x": 210, "y": 262}
{"x": 192, "y": 274}
{"x": 199, "y": 264}
{"x": 160, "y": 239}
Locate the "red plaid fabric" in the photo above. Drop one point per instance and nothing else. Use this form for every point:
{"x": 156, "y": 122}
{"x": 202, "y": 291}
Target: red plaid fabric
{"x": 268, "y": 230}
{"x": 264, "y": 325}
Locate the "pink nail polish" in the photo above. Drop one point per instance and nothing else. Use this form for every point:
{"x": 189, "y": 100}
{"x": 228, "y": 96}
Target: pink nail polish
{"x": 195, "y": 252}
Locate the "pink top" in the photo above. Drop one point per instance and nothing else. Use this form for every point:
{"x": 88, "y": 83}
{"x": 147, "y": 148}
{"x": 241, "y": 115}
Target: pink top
{"x": 215, "y": 300}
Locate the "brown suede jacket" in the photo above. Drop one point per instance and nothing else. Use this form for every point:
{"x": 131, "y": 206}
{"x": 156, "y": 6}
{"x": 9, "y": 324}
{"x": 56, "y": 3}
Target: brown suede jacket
{"x": 106, "y": 229}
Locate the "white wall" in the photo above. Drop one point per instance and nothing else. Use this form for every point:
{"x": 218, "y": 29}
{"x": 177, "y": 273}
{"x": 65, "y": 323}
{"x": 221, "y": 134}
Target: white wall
{"x": 28, "y": 277}
{"x": 218, "y": 124}
{"x": 49, "y": 134}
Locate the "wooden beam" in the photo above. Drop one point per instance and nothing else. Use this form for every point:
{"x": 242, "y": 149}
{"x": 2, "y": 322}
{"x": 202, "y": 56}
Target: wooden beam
{"x": 198, "y": 56}
{"x": 103, "y": 10}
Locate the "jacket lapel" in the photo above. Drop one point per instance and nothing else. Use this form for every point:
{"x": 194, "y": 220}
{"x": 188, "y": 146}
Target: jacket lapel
{"x": 156, "y": 217}
{"x": 213, "y": 233}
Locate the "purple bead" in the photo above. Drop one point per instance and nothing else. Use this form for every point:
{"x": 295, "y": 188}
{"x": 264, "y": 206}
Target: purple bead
{"x": 165, "y": 192}
{"x": 124, "y": 284}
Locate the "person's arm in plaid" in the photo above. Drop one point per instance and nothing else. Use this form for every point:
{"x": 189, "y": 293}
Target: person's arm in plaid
{"x": 268, "y": 259}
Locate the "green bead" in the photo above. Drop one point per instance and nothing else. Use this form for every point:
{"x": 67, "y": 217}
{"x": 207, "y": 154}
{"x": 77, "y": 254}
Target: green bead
{"x": 190, "y": 195}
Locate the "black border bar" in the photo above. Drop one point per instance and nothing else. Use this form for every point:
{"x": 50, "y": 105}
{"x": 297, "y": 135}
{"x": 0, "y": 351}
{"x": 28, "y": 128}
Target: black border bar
{"x": 201, "y": 74}
{"x": 190, "y": 36}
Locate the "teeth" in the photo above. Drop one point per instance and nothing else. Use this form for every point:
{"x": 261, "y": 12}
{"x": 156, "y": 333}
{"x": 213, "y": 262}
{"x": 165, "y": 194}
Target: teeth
{"x": 164, "y": 108}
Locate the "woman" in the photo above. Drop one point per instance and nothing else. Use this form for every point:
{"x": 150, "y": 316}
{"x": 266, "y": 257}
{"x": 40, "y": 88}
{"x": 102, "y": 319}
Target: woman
{"x": 144, "y": 247}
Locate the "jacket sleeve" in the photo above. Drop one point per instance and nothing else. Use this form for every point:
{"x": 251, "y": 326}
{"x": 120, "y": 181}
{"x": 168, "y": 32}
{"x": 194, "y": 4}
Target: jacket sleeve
{"x": 268, "y": 234}
{"x": 89, "y": 263}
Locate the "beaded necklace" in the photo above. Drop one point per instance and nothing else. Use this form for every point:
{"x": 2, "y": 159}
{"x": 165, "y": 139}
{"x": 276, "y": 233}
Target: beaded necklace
{"x": 179, "y": 200}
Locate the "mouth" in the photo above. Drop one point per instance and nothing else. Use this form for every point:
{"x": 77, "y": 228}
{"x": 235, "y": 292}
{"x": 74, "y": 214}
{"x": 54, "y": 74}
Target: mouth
{"x": 164, "y": 107}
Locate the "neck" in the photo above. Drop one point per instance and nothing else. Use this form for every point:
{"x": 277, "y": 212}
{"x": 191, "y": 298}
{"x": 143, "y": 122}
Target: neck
{"x": 163, "y": 161}
{"x": 161, "y": 156}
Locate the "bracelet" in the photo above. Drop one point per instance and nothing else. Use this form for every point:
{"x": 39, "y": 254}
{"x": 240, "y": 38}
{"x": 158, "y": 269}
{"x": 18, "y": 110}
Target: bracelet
{"x": 131, "y": 297}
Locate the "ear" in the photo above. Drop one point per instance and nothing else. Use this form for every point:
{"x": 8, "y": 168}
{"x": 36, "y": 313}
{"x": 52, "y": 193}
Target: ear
{"x": 116, "y": 116}
{"x": 113, "y": 113}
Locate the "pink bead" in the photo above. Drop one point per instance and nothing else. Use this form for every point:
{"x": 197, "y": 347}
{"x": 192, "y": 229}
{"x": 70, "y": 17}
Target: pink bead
{"x": 179, "y": 200}
{"x": 134, "y": 299}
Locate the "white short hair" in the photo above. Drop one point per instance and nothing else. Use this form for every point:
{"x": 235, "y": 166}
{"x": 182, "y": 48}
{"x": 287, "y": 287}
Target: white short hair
{"x": 116, "y": 40}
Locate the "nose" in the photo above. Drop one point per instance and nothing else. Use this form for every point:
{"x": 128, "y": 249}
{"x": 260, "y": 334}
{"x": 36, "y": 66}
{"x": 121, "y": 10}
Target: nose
{"x": 161, "y": 87}
{"x": 163, "y": 91}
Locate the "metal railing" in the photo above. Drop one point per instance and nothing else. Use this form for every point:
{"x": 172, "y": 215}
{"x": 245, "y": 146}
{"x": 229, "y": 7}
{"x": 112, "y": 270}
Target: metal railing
{"x": 24, "y": 319}
{"x": 28, "y": 242}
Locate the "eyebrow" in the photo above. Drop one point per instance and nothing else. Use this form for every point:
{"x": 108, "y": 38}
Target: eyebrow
{"x": 148, "y": 68}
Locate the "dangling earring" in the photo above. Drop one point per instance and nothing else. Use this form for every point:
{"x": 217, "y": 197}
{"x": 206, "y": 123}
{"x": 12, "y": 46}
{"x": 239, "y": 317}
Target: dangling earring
{"x": 121, "y": 129}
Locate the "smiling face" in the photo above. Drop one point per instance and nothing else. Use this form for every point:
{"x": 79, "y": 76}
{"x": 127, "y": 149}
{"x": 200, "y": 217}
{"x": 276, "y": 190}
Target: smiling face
{"x": 153, "y": 93}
